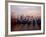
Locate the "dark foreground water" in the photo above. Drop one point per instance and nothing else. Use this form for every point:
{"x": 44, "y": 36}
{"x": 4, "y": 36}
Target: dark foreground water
{"x": 24, "y": 27}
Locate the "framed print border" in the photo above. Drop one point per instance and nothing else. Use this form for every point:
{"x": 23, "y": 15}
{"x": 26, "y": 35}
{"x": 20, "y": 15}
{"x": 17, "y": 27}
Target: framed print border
{"x": 6, "y": 17}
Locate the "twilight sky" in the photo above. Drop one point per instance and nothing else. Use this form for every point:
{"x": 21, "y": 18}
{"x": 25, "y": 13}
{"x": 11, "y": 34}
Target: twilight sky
{"x": 26, "y": 10}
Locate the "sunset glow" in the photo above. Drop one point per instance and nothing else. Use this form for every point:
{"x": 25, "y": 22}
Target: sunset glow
{"x": 26, "y": 10}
